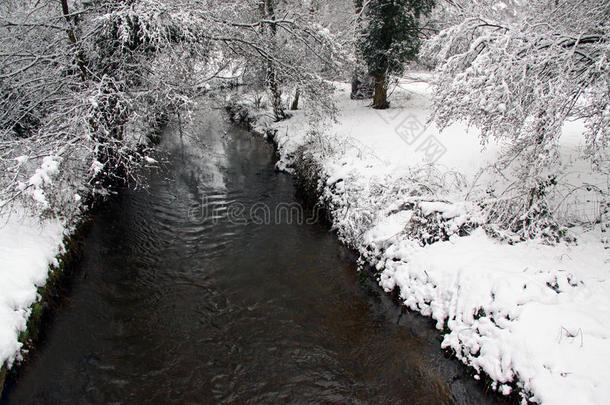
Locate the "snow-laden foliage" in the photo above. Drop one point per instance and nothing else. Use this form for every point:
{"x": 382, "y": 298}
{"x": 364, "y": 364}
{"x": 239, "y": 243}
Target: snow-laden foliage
{"x": 87, "y": 84}
{"x": 82, "y": 87}
{"x": 294, "y": 51}
{"x": 518, "y": 73}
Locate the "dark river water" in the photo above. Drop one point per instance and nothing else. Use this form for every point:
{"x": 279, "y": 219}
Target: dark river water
{"x": 199, "y": 290}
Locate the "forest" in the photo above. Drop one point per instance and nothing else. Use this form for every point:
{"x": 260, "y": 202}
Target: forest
{"x": 86, "y": 84}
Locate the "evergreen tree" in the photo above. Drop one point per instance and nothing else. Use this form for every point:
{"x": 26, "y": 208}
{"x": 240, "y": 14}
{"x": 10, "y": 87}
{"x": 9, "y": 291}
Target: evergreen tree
{"x": 389, "y": 38}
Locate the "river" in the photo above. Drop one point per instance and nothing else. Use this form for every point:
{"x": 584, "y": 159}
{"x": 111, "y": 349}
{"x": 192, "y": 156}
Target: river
{"x": 209, "y": 287}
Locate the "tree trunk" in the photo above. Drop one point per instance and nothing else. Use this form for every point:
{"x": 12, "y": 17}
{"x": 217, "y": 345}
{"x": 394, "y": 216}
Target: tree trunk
{"x": 295, "y": 101}
{"x": 362, "y": 83}
{"x": 272, "y": 82}
{"x": 276, "y": 93}
{"x": 80, "y": 59}
{"x": 380, "y": 99}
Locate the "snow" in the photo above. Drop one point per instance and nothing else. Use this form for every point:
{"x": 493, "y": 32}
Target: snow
{"x": 96, "y": 167}
{"x": 28, "y": 246}
{"x": 536, "y": 310}
{"x": 43, "y": 176}
{"x": 529, "y": 315}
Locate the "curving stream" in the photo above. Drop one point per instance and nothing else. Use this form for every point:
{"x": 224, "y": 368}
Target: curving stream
{"x": 190, "y": 293}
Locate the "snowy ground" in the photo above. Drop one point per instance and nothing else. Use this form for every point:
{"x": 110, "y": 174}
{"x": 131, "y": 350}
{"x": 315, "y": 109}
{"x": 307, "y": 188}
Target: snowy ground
{"x": 28, "y": 246}
{"x": 528, "y": 315}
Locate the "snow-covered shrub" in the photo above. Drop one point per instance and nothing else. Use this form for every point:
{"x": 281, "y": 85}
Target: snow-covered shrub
{"x": 309, "y": 174}
{"x": 517, "y": 218}
{"x": 434, "y": 221}
{"x": 357, "y": 202}
{"x": 95, "y": 99}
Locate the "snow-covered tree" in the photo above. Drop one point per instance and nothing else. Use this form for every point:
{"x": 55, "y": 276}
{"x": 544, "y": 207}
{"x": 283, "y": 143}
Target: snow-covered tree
{"x": 80, "y": 86}
{"x": 518, "y": 71}
{"x": 300, "y": 52}
{"x": 84, "y": 84}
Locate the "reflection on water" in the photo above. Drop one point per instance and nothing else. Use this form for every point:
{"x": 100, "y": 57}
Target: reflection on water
{"x": 168, "y": 309}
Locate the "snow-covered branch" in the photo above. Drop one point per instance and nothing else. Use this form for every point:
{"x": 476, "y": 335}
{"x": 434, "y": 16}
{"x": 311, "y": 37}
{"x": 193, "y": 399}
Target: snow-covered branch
{"x": 519, "y": 75}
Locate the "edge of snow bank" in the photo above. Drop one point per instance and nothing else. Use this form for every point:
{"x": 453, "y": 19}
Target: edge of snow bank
{"x": 49, "y": 294}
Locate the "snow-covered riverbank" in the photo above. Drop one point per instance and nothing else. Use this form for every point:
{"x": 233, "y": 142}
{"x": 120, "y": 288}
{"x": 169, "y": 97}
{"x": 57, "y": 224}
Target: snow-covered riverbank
{"x": 529, "y": 315}
{"x": 28, "y": 247}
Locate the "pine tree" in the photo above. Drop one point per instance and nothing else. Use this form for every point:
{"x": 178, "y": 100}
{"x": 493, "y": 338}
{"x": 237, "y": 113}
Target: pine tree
{"x": 390, "y": 37}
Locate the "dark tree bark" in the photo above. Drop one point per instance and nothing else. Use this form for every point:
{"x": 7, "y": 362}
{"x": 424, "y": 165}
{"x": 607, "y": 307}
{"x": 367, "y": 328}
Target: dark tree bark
{"x": 295, "y": 102}
{"x": 380, "y": 99}
{"x": 80, "y": 58}
{"x": 267, "y": 8}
